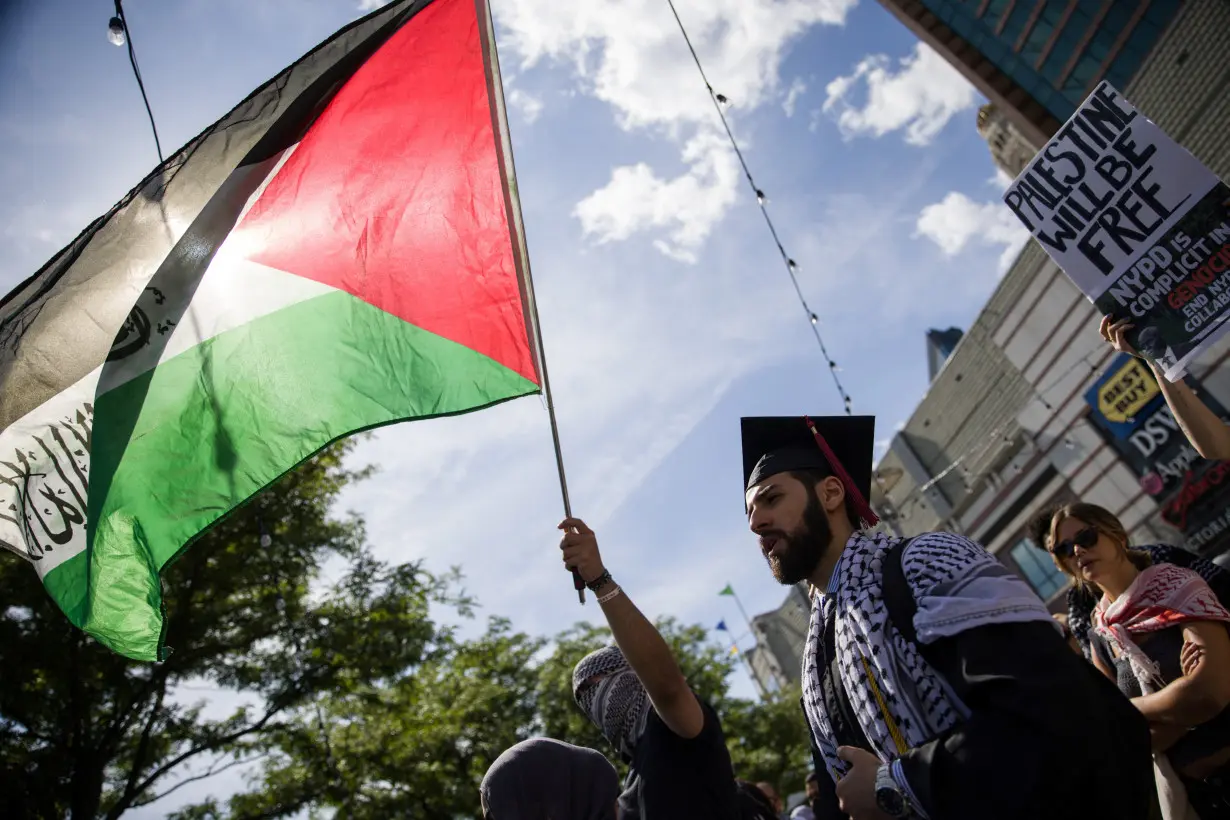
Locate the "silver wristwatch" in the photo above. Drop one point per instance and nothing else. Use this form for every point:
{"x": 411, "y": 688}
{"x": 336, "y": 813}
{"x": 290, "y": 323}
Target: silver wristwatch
{"x": 889, "y": 797}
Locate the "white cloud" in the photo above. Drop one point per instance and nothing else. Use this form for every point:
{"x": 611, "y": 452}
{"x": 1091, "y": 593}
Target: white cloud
{"x": 956, "y": 221}
{"x": 688, "y": 206}
{"x": 526, "y": 104}
{"x": 797, "y": 89}
{"x": 1000, "y": 181}
{"x": 371, "y": 5}
{"x": 921, "y": 96}
{"x": 630, "y": 54}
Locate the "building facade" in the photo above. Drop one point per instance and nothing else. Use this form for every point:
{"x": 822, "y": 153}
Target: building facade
{"x": 1037, "y": 60}
{"x": 940, "y": 345}
{"x": 1023, "y": 413}
{"x": 1010, "y": 150}
{"x": 780, "y": 636}
{"x": 1034, "y": 408}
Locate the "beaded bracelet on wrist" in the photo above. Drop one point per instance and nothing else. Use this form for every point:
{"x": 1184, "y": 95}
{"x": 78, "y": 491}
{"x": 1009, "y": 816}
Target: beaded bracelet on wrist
{"x": 599, "y": 582}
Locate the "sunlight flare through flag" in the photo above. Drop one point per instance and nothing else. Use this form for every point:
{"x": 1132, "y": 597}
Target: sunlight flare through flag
{"x": 343, "y": 250}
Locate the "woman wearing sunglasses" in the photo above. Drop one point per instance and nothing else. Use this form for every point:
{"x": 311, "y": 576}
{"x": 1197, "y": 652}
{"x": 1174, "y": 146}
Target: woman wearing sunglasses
{"x": 1160, "y": 633}
{"x": 1082, "y": 599}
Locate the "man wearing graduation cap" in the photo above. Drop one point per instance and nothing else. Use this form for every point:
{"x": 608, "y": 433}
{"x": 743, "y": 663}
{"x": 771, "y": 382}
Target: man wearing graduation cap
{"x": 935, "y": 682}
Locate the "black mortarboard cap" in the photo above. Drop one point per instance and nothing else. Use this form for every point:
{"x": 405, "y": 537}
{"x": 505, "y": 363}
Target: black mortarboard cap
{"x": 779, "y": 444}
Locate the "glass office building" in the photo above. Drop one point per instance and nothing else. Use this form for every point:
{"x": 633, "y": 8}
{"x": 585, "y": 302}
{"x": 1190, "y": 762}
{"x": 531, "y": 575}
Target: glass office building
{"x": 1039, "y": 59}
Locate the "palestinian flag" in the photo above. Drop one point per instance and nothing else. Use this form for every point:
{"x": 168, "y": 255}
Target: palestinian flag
{"x": 341, "y": 251}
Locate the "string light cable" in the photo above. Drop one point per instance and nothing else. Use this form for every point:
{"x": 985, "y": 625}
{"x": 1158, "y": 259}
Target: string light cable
{"x": 119, "y": 34}
{"x": 720, "y": 102}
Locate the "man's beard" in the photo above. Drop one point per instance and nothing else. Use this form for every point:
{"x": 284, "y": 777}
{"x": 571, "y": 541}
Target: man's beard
{"x": 804, "y": 547}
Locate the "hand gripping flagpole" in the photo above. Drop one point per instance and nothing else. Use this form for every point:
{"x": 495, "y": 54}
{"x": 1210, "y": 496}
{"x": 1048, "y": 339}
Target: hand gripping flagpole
{"x": 512, "y": 204}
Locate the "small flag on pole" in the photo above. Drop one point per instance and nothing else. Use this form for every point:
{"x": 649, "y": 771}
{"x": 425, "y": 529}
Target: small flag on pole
{"x": 728, "y": 591}
{"x": 721, "y": 626}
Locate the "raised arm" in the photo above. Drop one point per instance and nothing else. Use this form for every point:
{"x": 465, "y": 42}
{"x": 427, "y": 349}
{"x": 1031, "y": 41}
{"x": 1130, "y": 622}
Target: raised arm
{"x": 1203, "y": 428}
{"x": 644, "y": 648}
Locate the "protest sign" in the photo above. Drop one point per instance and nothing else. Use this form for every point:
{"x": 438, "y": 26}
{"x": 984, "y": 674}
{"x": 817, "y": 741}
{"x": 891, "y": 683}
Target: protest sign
{"x": 1137, "y": 222}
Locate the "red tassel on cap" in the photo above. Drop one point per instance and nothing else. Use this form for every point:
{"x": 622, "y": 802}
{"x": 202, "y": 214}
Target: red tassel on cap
{"x": 861, "y": 507}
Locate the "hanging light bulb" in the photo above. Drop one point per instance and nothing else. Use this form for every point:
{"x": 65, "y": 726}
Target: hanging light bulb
{"x": 266, "y": 540}
{"x": 722, "y": 101}
{"x": 815, "y": 320}
{"x": 760, "y": 197}
{"x": 790, "y": 263}
{"x": 115, "y": 31}
{"x": 833, "y": 366}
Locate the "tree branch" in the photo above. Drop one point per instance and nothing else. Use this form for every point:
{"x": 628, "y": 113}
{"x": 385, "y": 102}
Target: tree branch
{"x": 138, "y": 756}
{"x": 125, "y": 716}
{"x": 213, "y": 770}
{"x": 195, "y": 750}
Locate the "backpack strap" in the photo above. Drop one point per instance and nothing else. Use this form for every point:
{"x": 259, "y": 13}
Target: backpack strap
{"x": 899, "y": 598}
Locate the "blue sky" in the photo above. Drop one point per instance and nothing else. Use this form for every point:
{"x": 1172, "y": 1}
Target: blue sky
{"x": 666, "y": 312}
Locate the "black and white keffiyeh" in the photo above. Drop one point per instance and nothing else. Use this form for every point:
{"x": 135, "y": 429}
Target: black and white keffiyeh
{"x": 618, "y": 703}
{"x": 956, "y": 584}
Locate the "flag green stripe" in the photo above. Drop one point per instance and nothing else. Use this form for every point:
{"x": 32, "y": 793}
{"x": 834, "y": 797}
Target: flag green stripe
{"x": 180, "y": 446}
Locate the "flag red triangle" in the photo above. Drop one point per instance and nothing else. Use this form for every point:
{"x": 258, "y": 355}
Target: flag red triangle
{"x": 395, "y": 194}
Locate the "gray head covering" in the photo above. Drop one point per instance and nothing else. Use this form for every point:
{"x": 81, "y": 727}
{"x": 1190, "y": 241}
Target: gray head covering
{"x": 545, "y": 779}
{"x": 618, "y": 705}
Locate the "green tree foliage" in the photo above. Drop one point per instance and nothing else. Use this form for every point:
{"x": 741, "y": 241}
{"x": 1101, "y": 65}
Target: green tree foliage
{"x": 362, "y": 705}
{"x": 768, "y": 740}
{"x": 86, "y": 733}
{"x": 417, "y": 747}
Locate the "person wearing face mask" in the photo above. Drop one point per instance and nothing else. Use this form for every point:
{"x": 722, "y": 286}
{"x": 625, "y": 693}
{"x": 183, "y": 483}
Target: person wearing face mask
{"x": 637, "y": 696}
{"x": 1161, "y": 634}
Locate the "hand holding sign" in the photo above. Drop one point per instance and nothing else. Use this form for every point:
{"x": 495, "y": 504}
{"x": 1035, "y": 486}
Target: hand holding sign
{"x": 1139, "y": 224}
{"x": 1115, "y": 332}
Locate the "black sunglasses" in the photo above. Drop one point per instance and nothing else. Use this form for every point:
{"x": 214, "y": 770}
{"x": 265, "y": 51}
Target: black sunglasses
{"x": 1085, "y": 539}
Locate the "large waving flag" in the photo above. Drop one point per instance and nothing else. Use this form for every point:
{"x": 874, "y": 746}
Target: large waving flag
{"x": 342, "y": 250}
